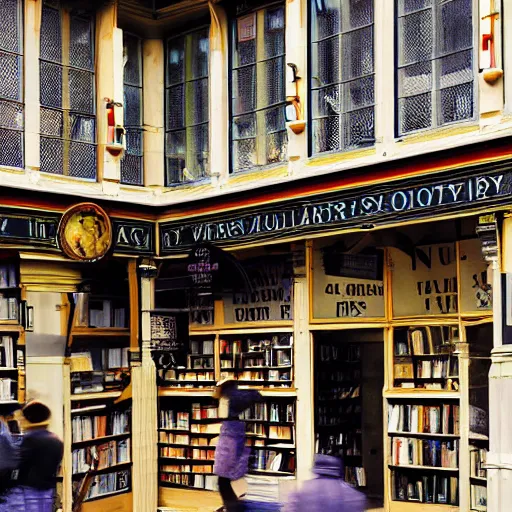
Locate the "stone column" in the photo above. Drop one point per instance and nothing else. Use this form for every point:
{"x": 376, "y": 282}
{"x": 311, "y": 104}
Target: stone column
{"x": 145, "y": 416}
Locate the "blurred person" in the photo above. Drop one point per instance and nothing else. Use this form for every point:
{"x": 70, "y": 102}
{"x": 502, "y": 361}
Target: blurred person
{"x": 326, "y": 492}
{"x": 9, "y": 456}
{"x": 40, "y": 457}
{"x": 231, "y": 453}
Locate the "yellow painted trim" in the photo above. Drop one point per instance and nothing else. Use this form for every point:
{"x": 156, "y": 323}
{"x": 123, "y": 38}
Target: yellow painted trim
{"x": 494, "y": 113}
{"x": 440, "y": 133}
{"x": 334, "y": 158}
{"x": 257, "y": 176}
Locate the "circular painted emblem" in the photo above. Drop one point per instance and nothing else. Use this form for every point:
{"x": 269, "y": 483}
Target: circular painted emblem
{"x": 85, "y": 232}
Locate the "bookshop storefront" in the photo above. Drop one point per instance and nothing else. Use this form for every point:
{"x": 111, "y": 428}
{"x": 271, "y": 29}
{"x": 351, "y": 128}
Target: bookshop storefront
{"x": 377, "y": 336}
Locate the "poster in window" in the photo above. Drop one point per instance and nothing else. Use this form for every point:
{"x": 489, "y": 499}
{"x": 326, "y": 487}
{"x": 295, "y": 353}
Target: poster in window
{"x": 270, "y": 297}
{"x": 424, "y": 280}
{"x": 475, "y": 277}
{"x": 246, "y": 26}
{"x": 169, "y": 339}
{"x": 346, "y": 286}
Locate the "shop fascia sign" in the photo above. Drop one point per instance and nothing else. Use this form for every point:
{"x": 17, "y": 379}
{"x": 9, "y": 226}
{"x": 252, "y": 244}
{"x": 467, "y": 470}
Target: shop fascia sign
{"x": 30, "y": 228}
{"x": 338, "y": 211}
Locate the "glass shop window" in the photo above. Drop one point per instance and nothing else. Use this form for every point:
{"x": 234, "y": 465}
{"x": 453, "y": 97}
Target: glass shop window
{"x": 343, "y": 75}
{"x": 187, "y": 99}
{"x": 67, "y": 93}
{"x": 435, "y": 63}
{"x": 131, "y": 163}
{"x": 11, "y": 83}
{"x": 258, "y": 125}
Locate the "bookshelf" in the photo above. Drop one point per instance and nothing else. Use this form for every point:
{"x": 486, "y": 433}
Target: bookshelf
{"x": 338, "y": 410}
{"x": 100, "y": 393}
{"x": 264, "y": 360}
{"x": 12, "y": 333}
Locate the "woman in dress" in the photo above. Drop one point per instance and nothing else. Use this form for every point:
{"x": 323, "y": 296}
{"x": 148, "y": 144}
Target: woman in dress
{"x": 232, "y": 454}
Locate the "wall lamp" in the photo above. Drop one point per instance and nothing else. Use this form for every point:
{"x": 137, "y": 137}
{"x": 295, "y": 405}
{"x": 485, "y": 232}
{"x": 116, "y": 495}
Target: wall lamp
{"x": 115, "y": 133}
{"x": 293, "y": 110}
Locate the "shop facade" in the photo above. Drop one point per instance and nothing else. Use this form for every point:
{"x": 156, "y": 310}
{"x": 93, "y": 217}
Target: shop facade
{"x": 366, "y": 313}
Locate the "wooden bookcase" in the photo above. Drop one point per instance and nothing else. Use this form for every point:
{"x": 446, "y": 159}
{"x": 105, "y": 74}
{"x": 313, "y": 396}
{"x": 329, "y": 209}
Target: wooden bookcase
{"x": 99, "y": 412}
{"x": 12, "y": 333}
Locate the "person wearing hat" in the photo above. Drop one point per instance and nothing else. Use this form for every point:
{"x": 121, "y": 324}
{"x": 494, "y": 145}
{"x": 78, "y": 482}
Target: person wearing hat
{"x": 9, "y": 456}
{"x": 232, "y": 454}
{"x": 40, "y": 457}
{"x": 327, "y": 491}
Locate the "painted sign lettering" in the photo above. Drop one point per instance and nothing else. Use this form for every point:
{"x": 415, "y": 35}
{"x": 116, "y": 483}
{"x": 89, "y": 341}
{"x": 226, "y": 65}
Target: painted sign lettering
{"x": 17, "y": 226}
{"x": 133, "y": 236}
{"x": 337, "y": 211}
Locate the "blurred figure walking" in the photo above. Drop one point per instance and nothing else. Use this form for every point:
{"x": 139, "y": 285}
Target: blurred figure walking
{"x": 326, "y": 492}
{"x": 232, "y": 454}
{"x": 40, "y": 457}
{"x": 9, "y": 457}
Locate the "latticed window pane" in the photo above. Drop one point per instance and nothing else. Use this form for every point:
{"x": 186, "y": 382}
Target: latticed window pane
{"x": 67, "y": 96}
{"x": 258, "y": 89}
{"x": 11, "y": 80}
{"x": 342, "y": 83}
{"x": 187, "y": 112}
{"x": 131, "y": 163}
{"x": 435, "y": 63}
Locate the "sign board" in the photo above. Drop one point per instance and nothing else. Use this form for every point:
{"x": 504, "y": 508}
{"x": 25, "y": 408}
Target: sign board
{"x": 270, "y": 297}
{"x": 133, "y": 237}
{"x": 340, "y": 210}
{"x": 19, "y": 226}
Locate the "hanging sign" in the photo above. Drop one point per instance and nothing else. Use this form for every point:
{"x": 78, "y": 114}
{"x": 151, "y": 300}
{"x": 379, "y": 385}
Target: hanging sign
{"x": 338, "y": 211}
{"x": 169, "y": 339}
{"x": 133, "y": 237}
{"x": 20, "y": 226}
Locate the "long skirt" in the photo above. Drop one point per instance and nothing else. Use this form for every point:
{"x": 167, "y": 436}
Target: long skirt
{"x": 27, "y": 499}
{"x": 231, "y": 454}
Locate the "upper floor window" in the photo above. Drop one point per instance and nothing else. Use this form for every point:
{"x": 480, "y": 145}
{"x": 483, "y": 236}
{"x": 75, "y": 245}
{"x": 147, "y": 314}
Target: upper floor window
{"x": 258, "y": 129}
{"x": 186, "y": 104}
{"x": 11, "y": 83}
{"x": 435, "y": 63}
{"x": 131, "y": 163}
{"x": 342, "y": 78}
{"x": 67, "y": 93}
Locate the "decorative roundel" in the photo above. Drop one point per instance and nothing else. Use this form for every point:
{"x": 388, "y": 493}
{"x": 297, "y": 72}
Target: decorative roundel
{"x": 85, "y": 232}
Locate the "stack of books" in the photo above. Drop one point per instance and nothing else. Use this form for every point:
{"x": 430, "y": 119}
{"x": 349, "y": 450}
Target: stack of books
{"x": 103, "y": 314}
{"x": 7, "y": 351}
{"x": 6, "y": 390}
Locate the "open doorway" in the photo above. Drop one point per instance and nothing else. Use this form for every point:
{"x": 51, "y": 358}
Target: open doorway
{"x": 349, "y": 378}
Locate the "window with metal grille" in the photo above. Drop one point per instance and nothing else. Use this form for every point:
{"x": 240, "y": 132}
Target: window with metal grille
{"x": 342, "y": 78}
{"x": 67, "y": 93}
{"x": 11, "y": 83}
{"x": 186, "y": 121}
{"x": 131, "y": 163}
{"x": 258, "y": 125}
{"x": 435, "y": 75}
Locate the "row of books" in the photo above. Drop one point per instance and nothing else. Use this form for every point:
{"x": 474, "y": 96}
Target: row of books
{"x": 174, "y": 420}
{"x": 85, "y": 428}
{"x": 433, "y": 419}
{"x": 248, "y": 346}
{"x": 425, "y": 489}
{"x": 198, "y": 347}
{"x": 197, "y": 481}
{"x": 338, "y": 393}
{"x": 174, "y": 438}
{"x": 274, "y": 412}
{"x": 406, "y": 451}
{"x": 425, "y": 340}
{"x": 109, "y": 483}
{"x": 97, "y": 382}
{"x": 355, "y": 475}
{"x": 268, "y": 375}
{"x": 202, "y": 412}
{"x": 8, "y": 276}
{"x": 338, "y": 414}
{"x": 8, "y": 308}
{"x": 344, "y": 444}
{"x": 477, "y": 460}
{"x": 187, "y": 468}
{"x": 99, "y": 359}
{"x": 340, "y": 352}
{"x": 274, "y": 431}
{"x": 107, "y": 454}
{"x": 200, "y": 363}
{"x": 6, "y": 390}
{"x": 340, "y": 375}
{"x": 187, "y": 453}
{"x": 182, "y": 375}
{"x": 7, "y": 352}
{"x": 103, "y": 314}
{"x": 271, "y": 460}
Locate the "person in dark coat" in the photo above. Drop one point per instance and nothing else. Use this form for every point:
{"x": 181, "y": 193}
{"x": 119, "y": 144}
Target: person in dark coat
{"x": 326, "y": 492}
{"x": 232, "y": 454}
{"x": 40, "y": 457}
{"x": 9, "y": 456}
